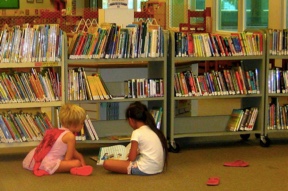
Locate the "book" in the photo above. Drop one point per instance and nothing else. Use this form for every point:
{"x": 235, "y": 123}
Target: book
{"x": 244, "y": 119}
{"x": 15, "y": 134}
{"x": 6, "y": 131}
{"x": 93, "y": 88}
{"x": 102, "y": 93}
{"x": 88, "y": 130}
{"x": 254, "y": 117}
{"x": 116, "y": 152}
{"x": 235, "y": 120}
{"x": 92, "y": 128}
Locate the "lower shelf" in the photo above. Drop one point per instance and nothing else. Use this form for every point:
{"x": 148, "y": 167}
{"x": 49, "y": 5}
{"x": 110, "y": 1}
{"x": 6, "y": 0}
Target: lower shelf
{"x": 210, "y": 134}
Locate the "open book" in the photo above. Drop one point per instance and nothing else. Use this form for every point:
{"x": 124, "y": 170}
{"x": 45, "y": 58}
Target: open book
{"x": 116, "y": 152}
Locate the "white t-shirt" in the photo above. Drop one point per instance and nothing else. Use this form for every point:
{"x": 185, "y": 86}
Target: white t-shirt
{"x": 151, "y": 158}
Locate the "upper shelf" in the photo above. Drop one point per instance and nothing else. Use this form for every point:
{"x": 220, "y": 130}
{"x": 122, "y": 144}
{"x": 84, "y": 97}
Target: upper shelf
{"x": 112, "y": 63}
{"x": 30, "y": 64}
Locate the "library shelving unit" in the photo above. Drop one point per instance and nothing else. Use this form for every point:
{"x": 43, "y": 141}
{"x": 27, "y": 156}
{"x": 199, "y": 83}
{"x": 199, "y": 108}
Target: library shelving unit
{"x": 114, "y": 72}
{"x": 276, "y": 87}
{"x": 208, "y": 115}
{"x": 49, "y": 107}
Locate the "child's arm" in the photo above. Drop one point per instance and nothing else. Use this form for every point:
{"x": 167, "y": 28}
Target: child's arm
{"x": 70, "y": 140}
{"x": 72, "y": 153}
{"x": 133, "y": 151}
{"x": 80, "y": 157}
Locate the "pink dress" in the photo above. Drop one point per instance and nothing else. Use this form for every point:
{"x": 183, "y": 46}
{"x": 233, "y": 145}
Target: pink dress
{"x": 52, "y": 160}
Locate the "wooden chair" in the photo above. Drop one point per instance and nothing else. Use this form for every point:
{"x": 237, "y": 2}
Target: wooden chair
{"x": 196, "y": 21}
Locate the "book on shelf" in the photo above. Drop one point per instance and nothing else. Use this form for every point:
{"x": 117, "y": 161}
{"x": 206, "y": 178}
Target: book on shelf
{"x": 5, "y": 130}
{"x": 15, "y": 134}
{"x": 133, "y": 30}
{"x": 183, "y": 84}
{"x": 18, "y": 125}
{"x": 210, "y": 82}
{"x": 243, "y": 79}
{"x": 103, "y": 86}
{"x": 88, "y": 131}
{"x": 211, "y": 44}
{"x": 103, "y": 32}
{"x": 232, "y": 74}
{"x": 177, "y": 88}
{"x": 242, "y": 119}
{"x": 274, "y": 110}
{"x": 33, "y": 132}
{"x": 91, "y": 129}
{"x": 6, "y": 135}
{"x": 245, "y": 120}
{"x": 22, "y": 127}
{"x": 234, "y": 121}
{"x": 251, "y": 120}
{"x": 190, "y": 82}
{"x": 93, "y": 88}
{"x": 156, "y": 113}
{"x": 138, "y": 39}
{"x": 115, "y": 152}
{"x": 108, "y": 37}
{"x": 2, "y": 137}
{"x": 111, "y": 41}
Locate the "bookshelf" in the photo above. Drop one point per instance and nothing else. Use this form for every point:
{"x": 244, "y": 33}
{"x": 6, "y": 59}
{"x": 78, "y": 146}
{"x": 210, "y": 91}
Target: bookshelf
{"x": 25, "y": 102}
{"x": 276, "y": 88}
{"x": 114, "y": 73}
{"x": 202, "y": 116}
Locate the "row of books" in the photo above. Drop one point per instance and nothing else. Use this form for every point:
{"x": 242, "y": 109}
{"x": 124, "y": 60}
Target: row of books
{"x": 226, "y": 82}
{"x": 143, "y": 87}
{"x": 157, "y": 115}
{"x": 278, "y": 44}
{"x": 278, "y": 115}
{"x": 86, "y": 87}
{"x": 40, "y": 43}
{"x": 23, "y": 127}
{"x": 19, "y": 87}
{"x": 188, "y": 44}
{"x": 242, "y": 119}
{"x": 277, "y": 81}
{"x": 93, "y": 87}
{"x": 88, "y": 132}
{"x": 110, "y": 111}
{"x": 140, "y": 39}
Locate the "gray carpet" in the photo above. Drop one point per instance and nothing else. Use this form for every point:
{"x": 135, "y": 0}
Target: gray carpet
{"x": 187, "y": 170}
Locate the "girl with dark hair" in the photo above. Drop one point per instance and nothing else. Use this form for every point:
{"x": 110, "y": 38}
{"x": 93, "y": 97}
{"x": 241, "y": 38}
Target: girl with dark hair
{"x": 148, "y": 152}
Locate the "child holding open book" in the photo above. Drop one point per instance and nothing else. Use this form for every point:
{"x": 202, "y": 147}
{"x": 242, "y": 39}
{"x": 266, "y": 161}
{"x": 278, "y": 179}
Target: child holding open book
{"x": 148, "y": 152}
{"x": 57, "y": 152}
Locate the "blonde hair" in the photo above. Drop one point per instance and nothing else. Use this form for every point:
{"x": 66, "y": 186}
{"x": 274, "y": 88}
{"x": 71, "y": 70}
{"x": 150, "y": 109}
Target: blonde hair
{"x": 71, "y": 114}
